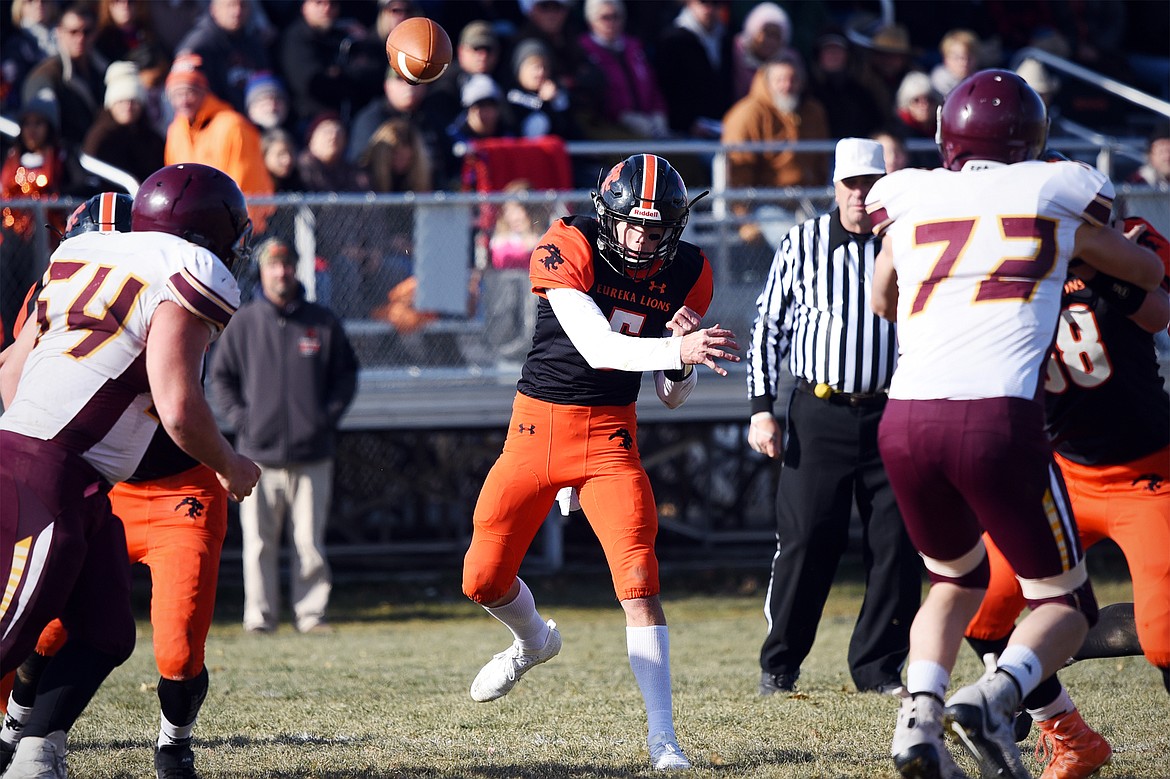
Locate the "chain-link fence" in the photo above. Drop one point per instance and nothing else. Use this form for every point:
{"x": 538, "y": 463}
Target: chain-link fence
{"x": 441, "y": 333}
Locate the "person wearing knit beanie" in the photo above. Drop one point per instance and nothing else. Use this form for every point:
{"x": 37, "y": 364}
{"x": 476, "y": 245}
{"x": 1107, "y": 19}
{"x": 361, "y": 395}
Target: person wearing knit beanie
{"x": 122, "y": 83}
{"x": 187, "y": 71}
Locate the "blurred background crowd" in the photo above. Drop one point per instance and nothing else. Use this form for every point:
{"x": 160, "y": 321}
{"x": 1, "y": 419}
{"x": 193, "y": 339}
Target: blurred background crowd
{"x": 296, "y": 95}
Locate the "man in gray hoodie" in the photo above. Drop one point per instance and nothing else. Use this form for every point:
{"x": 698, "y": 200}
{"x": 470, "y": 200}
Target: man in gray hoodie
{"x": 282, "y": 376}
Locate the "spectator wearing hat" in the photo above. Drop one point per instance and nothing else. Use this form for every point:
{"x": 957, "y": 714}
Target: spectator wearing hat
{"x": 1040, "y": 79}
{"x": 483, "y": 116}
{"x": 74, "y": 75}
{"x": 478, "y": 51}
{"x": 917, "y": 115}
{"x": 552, "y": 23}
{"x": 290, "y": 428}
{"x": 538, "y": 103}
{"x": 842, "y": 357}
{"x": 231, "y": 55}
{"x": 266, "y": 101}
{"x": 886, "y": 59}
{"x": 849, "y": 106}
{"x": 556, "y": 24}
{"x": 38, "y": 166}
{"x": 766, "y": 33}
{"x": 631, "y": 99}
{"x": 415, "y": 103}
{"x": 209, "y": 131}
{"x": 122, "y": 134}
{"x": 960, "y": 58}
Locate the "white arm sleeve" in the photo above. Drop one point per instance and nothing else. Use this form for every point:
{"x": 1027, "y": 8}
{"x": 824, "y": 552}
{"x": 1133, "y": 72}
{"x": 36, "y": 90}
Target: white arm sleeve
{"x": 601, "y": 347}
{"x": 674, "y": 393}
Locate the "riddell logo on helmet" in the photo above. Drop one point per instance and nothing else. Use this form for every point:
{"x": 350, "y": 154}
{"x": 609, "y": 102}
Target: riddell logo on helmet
{"x": 646, "y": 213}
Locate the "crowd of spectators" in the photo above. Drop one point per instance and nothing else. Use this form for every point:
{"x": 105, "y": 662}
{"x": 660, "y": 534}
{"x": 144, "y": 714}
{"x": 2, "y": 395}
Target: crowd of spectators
{"x": 296, "y": 95}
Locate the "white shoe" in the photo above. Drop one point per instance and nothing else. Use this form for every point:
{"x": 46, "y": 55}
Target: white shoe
{"x": 665, "y": 754}
{"x": 979, "y": 717}
{"x": 499, "y": 676}
{"x": 918, "y": 749}
{"x": 39, "y": 758}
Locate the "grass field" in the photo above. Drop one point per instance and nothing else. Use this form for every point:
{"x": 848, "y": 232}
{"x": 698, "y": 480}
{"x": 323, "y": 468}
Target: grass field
{"x": 386, "y": 695}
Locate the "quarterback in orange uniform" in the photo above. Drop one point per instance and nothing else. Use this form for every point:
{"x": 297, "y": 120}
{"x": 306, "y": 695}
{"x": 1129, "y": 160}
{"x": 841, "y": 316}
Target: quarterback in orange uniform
{"x": 619, "y": 294}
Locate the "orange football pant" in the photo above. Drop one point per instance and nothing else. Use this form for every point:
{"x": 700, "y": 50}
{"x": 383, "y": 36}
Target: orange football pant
{"x": 549, "y": 446}
{"x": 175, "y": 526}
{"x": 1129, "y": 504}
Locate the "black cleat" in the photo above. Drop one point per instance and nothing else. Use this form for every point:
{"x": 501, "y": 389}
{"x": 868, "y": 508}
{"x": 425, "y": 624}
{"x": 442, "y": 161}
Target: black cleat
{"x": 770, "y": 684}
{"x": 175, "y": 762}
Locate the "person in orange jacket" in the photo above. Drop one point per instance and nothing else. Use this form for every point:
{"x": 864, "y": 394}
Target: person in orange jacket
{"x": 207, "y": 130}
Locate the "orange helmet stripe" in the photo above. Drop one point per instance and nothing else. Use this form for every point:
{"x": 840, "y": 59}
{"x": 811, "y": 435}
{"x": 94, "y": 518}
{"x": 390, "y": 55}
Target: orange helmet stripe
{"x": 649, "y": 179}
{"x": 106, "y": 220}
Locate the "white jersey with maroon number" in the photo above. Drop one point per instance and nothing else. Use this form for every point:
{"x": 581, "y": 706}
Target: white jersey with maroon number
{"x": 981, "y": 257}
{"x": 84, "y": 383}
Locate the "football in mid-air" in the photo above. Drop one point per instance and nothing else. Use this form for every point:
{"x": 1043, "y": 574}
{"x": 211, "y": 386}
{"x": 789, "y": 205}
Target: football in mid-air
{"x": 419, "y": 50}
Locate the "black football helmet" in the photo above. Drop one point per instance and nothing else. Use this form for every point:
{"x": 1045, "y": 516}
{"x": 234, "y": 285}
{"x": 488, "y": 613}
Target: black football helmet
{"x": 641, "y": 190}
{"x": 108, "y": 212}
{"x": 200, "y": 204}
{"x": 991, "y": 115}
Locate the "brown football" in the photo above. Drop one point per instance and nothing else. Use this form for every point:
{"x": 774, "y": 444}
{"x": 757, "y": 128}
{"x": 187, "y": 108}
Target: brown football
{"x": 419, "y": 50}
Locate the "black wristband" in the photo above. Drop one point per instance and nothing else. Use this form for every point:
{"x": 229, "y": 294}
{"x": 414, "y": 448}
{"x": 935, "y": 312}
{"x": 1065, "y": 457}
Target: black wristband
{"x": 1121, "y": 295}
{"x": 679, "y": 375}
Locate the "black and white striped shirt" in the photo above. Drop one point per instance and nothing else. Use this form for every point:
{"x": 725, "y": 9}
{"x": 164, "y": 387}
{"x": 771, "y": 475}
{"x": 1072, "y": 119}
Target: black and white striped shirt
{"x": 814, "y": 312}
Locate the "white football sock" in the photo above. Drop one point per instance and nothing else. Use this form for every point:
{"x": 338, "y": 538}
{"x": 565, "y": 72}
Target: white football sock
{"x": 649, "y": 651}
{"x": 1024, "y": 666}
{"x": 1062, "y": 705}
{"x": 14, "y": 721}
{"x": 169, "y": 734}
{"x": 927, "y": 676}
{"x": 521, "y": 617}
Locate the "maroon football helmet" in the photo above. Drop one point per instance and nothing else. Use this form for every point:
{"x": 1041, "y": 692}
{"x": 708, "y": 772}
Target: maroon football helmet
{"x": 200, "y": 204}
{"x": 642, "y": 190}
{"x": 991, "y": 115}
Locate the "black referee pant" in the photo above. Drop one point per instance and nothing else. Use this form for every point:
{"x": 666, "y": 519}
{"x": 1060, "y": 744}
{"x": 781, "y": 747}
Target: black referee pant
{"x": 831, "y": 459}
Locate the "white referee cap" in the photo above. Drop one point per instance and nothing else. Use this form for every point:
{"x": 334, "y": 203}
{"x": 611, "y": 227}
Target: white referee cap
{"x": 858, "y": 157}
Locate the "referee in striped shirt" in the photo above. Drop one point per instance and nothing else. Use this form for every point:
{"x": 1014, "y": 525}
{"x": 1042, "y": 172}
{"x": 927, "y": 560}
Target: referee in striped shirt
{"x": 813, "y": 317}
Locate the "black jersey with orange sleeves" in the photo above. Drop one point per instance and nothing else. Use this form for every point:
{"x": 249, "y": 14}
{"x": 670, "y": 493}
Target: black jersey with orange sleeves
{"x": 567, "y": 257}
{"x": 1104, "y": 397}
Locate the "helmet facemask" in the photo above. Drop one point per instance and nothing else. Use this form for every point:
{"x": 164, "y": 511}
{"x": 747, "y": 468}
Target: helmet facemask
{"x": 638, "y": 265}
{"x": 641, "y": 191}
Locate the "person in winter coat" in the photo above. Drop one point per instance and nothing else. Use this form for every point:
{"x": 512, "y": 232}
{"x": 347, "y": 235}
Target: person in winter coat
{"x": 283, "y": 374}
{"x": 776, "y": 109}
